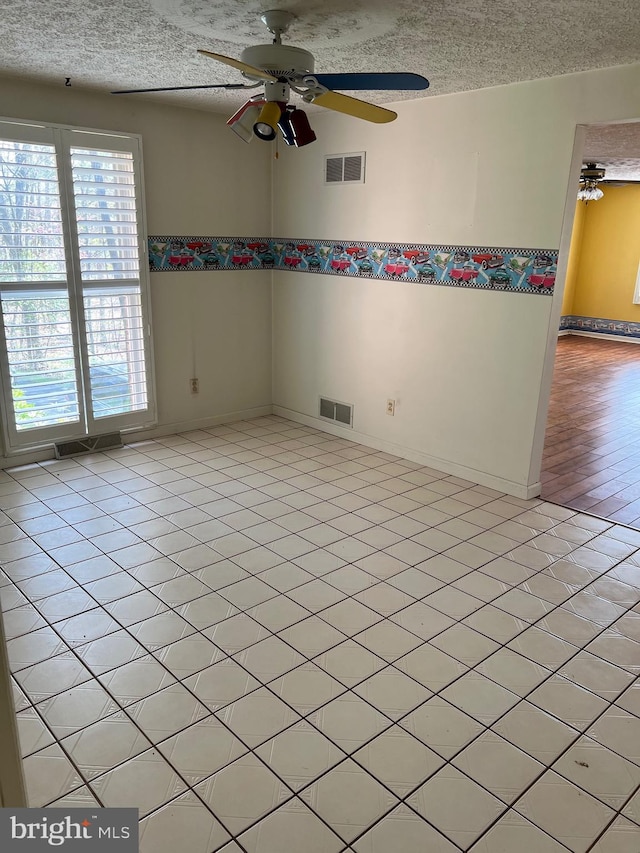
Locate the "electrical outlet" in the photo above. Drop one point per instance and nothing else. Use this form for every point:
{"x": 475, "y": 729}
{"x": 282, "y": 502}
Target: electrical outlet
{"x": 391, "y": 407}
{"x": 195, "y": 385}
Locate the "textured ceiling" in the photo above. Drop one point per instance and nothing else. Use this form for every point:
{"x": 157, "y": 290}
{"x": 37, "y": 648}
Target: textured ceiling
{"x": 616, "y": 147}
{"x": 457, "y": 44}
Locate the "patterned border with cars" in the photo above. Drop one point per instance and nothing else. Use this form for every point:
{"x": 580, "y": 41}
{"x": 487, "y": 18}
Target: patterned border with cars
{"x": 510, "y": 270}
{"x": 599, "y": 325}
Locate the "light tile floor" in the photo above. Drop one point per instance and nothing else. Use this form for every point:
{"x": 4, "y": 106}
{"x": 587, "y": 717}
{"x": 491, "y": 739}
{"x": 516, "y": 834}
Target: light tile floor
{"x": 270, "y": 639}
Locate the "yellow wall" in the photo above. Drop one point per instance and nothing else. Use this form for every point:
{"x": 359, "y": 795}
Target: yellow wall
{"x": 574, "y": 259}
{"x": 607, "y": 257}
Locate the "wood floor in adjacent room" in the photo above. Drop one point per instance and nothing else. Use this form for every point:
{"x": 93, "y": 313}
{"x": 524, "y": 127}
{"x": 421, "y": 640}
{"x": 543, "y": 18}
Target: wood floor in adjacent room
{"x": 591, "y": 456}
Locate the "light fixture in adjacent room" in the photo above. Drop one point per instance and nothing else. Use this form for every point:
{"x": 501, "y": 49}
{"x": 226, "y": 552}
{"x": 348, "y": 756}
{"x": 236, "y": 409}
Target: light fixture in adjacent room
{"x": 590, "y": 177}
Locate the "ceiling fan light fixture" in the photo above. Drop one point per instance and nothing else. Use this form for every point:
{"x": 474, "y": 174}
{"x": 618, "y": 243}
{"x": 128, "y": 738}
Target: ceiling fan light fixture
{"x": 303, "y": 133}
{"x": 280, "y": 69}
{"x": 295, "y": 128}
{"x": 286, "y": 126}
{"x": 266, "y": 124}
{"x": 590, "y": 177}
{"x": 242, "y": 121}
{"x": 589, "y": 192}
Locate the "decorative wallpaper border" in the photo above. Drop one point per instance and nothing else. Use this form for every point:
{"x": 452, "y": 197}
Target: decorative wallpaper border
{"x": 599, "y": 325}
{"x": 481, "y": 268}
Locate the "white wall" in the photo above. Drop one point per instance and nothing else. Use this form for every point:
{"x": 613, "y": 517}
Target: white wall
{"x": 199, "y": 180}
{"x": 364, "y": 342}
{"x": 484, "y": 168}
{"x": 467, "y": 368}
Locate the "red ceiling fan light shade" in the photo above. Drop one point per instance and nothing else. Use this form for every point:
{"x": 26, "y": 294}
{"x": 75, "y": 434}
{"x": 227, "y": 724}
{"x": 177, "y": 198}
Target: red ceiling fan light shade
{"x": 242, "y": 121}
{"x": 297, "y": 125}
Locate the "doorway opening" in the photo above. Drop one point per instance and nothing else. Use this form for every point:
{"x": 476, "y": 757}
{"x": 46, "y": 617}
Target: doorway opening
{"x": 591, "y": 457}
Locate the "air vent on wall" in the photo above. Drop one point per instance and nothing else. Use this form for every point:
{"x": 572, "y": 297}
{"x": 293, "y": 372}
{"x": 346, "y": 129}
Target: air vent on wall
{"x": 90, "y": 444}
{"x": 344, "y": 168}
{"x": 342, "y": 413}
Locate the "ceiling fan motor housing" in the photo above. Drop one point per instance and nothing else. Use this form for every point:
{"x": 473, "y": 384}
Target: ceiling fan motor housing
{"x": 279, "y": 59}
{"x": 591, "y": 172}
{"x": 279, "y": 92}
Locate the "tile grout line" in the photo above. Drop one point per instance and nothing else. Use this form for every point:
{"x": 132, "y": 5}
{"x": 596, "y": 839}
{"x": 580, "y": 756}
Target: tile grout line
{"x": 386, "y": 618}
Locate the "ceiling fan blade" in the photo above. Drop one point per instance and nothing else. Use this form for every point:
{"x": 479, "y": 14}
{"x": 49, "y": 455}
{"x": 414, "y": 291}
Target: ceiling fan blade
{"x": 241, "y": 66}
{"x": 354, "y": 107}
{"x": 182, "y": 88}
{"x": 402, "y": 81}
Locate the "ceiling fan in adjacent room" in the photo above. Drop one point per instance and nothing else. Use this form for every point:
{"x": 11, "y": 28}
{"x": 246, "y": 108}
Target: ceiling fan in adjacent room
{"x": 281, "y": 69}
{"x": 590, "y": 176}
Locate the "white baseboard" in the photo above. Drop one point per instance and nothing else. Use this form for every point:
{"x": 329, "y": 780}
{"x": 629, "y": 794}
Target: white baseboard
{"x": 29, "y": 457}
{"x": 620, "y": 338}
{"x": 508, "y": 487}
{"x": 26, "y": 457}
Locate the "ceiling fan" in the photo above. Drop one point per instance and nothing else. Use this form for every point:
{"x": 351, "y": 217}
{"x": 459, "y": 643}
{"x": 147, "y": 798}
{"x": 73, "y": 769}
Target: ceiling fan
{"x": 282, "y": 69}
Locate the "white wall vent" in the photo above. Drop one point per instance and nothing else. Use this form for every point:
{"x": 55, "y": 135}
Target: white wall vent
{"x": 344, "y": 168}
{"x": 341, "y": 413}
{"x": 90, "y": 444}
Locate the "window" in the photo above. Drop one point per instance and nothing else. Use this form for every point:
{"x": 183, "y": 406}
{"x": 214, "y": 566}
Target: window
{"x": 75, "y": 346}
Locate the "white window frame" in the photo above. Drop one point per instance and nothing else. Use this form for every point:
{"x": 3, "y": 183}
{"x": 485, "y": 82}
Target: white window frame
{"x": 63, "y": 138}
